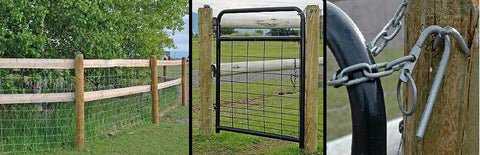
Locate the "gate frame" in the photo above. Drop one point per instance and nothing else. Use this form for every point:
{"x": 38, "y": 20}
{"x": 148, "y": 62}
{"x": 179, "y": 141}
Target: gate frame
{"x": 313, "y": 25}
{"x": 300, "y": 39}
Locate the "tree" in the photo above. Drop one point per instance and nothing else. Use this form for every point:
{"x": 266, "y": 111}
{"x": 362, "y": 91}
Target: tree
{"x": 228, "y": 30}
{"x": 97, "y": 29}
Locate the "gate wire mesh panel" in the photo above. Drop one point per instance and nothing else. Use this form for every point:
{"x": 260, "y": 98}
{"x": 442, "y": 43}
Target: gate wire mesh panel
{"x": 36, "y": 127}
{"x": 257, "y": 100}
{"x": 265, "y": 101}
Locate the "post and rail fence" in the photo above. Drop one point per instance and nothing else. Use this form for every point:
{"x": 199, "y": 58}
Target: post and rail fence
{"x": 80, "y": 96}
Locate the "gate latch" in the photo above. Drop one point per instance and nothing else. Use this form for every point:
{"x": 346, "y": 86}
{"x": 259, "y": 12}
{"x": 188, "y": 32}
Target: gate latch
{"x": 214, "y": 70}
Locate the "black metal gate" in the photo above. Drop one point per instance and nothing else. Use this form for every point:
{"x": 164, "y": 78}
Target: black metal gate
{"x": 255, "y": 102}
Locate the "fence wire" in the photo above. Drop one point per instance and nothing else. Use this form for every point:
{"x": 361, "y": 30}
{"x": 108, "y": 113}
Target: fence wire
{"x": 40, "y": 127}
{"x": 261, "y": 100}
{"x": 37, "y": 126}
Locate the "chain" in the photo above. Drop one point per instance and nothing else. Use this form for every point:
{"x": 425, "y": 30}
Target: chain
{"x": 341, "y": 76}
{"x": 364, "y": 72}
{"x": 395, "y": 23}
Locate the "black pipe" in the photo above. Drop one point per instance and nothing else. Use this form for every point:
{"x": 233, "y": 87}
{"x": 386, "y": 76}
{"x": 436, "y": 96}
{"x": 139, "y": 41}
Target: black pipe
{"x": 366, "y": 99}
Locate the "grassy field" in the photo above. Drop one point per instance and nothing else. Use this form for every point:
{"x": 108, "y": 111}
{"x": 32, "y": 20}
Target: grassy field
{"x": 258, "y": 106}
{"x": 338, "y": 109}
{"x": 145, "y": 139}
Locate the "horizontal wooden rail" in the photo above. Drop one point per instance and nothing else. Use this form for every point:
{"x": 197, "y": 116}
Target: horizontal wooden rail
{"x": 104, "y": 94}
{"x": 91, "y": 63}
{"x": 36, "y": 98}
{"x": 257, "y": 66}
{"x": 89, "y": 96}
{"x": 98, "y": 63}
{"x": 36, "y": 63}
{"x": 258, "y": 22}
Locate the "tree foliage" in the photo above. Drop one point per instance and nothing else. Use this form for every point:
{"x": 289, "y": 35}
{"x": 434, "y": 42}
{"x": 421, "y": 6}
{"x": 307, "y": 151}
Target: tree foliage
{"x": 97, "y": 29}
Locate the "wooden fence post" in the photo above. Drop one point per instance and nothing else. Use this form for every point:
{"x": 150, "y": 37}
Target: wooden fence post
{"x": 79, "y": 102}
{"x": 311, "y": 75}
{"x": 153, "y": 66}
{"x": 453, "y": 125}
{"x": 165, "y": 70}
{"x": 184, "y": 81}
{"x": 205, "y": 60}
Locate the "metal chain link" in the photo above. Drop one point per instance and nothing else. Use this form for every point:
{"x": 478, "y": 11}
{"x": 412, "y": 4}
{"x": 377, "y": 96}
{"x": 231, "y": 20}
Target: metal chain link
{"x": 395, "y": 23}
{"x": 341, "y": 76}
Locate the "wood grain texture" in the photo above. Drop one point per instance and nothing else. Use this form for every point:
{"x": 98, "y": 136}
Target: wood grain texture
{"x": 205, "y": 59}
{"x": 165, "y": 72}
{"x": 266, "y": 23}
{"x": 184, "y": 82}
{"x": 37, "y": 63}
{"x": 311, "y": 74}
{"x": 235, "y": 68}
{"x": 36, "y": 98}
{"x": 79, "y": 102}
{"x": 88, "y": 96}
{"x": 69, "y": 63}
{"x": 98, "y": 63}
{"x": 447, "y": 127}
{"x": 154, "y": 89}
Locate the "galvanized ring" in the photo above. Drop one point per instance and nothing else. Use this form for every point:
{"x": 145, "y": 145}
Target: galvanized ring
{"x": 399, "y": 94}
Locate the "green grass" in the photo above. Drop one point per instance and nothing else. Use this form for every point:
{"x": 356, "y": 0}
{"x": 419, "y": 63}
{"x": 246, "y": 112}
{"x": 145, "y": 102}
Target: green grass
{"x": 272, "y": 49}
{"x": 338, "y": 108}
{"x": 231, "y": 143}
{"x": 146, "y": 139}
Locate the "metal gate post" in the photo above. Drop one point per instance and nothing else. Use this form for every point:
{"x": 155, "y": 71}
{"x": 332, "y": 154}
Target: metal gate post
{"x": 366, "y": 99}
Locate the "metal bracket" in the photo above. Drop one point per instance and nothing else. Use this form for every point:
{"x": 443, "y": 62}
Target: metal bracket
{"x": 214, "y": 70}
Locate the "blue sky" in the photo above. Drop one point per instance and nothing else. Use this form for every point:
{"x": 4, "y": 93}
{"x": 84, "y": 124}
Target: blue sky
{"x": 181, "y": 38}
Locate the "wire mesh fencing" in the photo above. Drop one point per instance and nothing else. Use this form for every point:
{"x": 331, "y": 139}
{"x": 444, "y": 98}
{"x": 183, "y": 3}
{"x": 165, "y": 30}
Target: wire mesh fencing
{"x": 261, "y": 98}
{"x": 108, "y": 116}
{"x": 36, "y": 126}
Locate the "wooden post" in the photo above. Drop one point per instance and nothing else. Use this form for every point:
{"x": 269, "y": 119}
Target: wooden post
{"x": 453, "y": 125}
{"x": 165, "y": 70}
{"x": 79, "y": 102}
{"x": 184, "y": 81}
{"x": 153, "y": 66}
{"x": 311, "y": 75}
{"x": 205, "y": 60}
